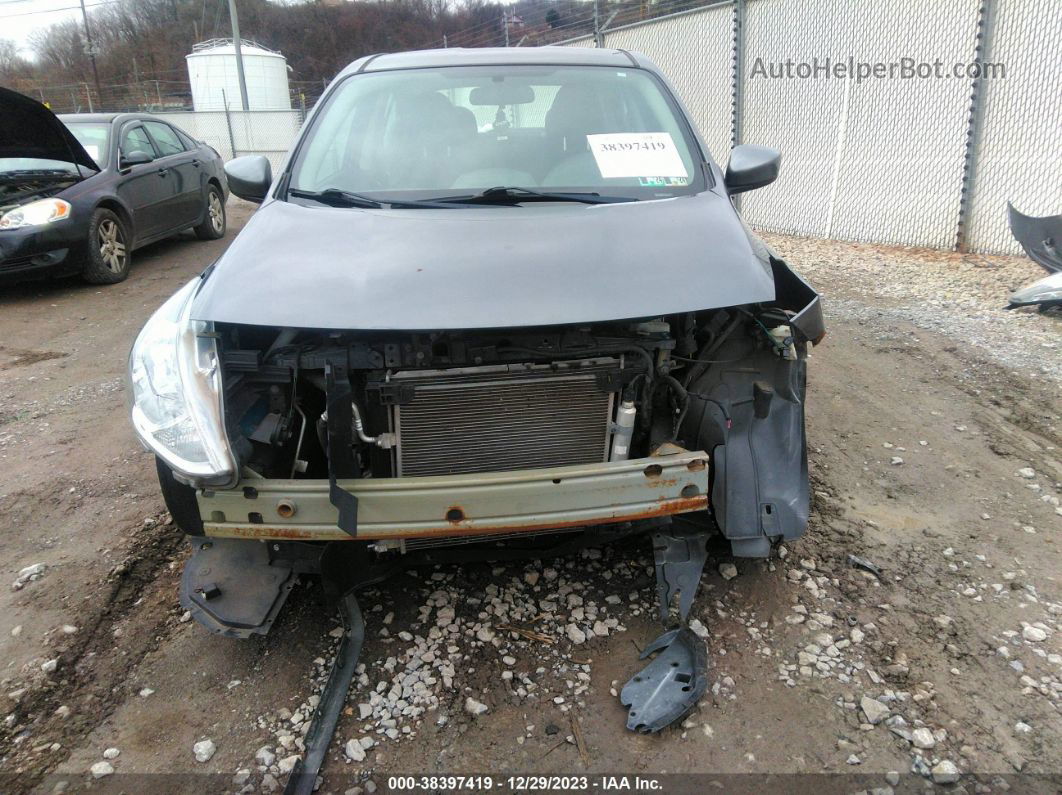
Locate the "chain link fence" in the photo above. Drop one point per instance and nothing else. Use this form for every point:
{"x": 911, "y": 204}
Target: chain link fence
{"x": 242, "y": 132}
{"x": 949, "y": 110}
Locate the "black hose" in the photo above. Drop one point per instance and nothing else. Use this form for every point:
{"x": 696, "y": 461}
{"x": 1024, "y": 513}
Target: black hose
{"x": 684, "y": 399}
{"x": 702, "y": 364}
{"x": 323, "y": 722}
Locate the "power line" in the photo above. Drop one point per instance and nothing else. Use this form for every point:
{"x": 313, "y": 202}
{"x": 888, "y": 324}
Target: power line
{"x": 57, "y": 10}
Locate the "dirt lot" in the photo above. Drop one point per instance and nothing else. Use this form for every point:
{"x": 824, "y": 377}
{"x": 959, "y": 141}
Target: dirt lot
{"x": 935, "y": 434}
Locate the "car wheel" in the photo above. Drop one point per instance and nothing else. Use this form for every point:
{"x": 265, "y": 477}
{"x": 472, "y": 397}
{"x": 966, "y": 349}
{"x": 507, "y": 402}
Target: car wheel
{"x": 108, "y": 249}
{"x": 213, "y": 226}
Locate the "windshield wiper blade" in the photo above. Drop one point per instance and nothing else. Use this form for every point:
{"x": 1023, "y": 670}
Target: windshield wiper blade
{"x": 334, "y": 197}
{"x": 515, "y": 195}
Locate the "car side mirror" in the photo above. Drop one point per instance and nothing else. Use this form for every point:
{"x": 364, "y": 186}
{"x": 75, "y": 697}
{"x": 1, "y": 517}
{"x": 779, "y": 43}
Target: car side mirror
{"x": 751, "y": 166}
{"x": 137, "y": 158}
{"x": 249, "y": 177}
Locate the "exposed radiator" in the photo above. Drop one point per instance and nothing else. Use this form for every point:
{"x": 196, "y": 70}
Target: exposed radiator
{"x": 504, "y": 417}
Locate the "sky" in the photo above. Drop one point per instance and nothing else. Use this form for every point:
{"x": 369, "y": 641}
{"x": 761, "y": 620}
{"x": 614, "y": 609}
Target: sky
{"x": 19, "y": 18}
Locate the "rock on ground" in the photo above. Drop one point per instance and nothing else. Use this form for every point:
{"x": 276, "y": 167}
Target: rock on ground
{"x": 473, "y": 707}
{"x": 203, "y": 750}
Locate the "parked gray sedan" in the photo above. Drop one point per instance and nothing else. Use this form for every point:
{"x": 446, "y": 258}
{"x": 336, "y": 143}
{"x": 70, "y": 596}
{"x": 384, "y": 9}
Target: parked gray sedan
{"x": 492, "y": 296}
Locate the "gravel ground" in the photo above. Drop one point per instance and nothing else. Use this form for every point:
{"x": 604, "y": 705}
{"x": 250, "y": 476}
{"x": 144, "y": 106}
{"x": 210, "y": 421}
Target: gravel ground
{"x": 934, "y": 430}
{"x": 960, "y": 296}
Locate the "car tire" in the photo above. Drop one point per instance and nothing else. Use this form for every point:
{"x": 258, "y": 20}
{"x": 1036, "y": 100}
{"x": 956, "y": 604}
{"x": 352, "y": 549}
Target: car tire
{"x": 180, "y": 500}
{"x": 109, "y": 254}
{"x": 213, "y": 226}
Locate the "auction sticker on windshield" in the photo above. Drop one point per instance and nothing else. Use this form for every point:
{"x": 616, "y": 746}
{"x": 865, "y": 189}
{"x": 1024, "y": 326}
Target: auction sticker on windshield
{"x": 636, "y": 155}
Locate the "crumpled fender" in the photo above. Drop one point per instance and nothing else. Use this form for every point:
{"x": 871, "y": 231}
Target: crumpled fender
{"x": 760, "y": 487}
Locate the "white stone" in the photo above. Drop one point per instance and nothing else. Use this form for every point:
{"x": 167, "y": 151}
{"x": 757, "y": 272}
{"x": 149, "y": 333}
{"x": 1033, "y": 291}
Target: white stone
{"x": 35, "y": 570}
{"x": 945, "y": 772}
{"x": 265, "y": 756}
{"x": 203, "y": 750}
{"x": 728, "y": 571}
{"x": 699, "y": 629}
{"x": 1025, "y": 472}
{"x": 1030, "y": 633}
{"x": 874, "y": 710}
{"x": 111, "y": 753}
{"x": 145, "y": 692}
{"x": 354, "y": 751}
{"x": 474, "y": 707}
{"x": 101, "y": 769}
{"x": 923, "y": 738}
{"x": 288, "y": 763}
{"x": 50, "y": 666}
{"x": 575, "y": 635}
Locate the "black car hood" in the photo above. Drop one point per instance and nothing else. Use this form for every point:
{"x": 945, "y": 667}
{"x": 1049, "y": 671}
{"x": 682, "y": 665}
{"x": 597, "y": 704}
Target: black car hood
{"x": 28, "y": 129}
{"x": 484, "y": 267}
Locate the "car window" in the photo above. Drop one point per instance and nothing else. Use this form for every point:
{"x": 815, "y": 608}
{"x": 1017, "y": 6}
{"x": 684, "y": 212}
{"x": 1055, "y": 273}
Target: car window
{"x": 427, "y": 133}
{"x": 93, "y": 138}
{"x": 165, "y": 138}
{"x": 187, "y": 140}
{"x": 135, "y": 139}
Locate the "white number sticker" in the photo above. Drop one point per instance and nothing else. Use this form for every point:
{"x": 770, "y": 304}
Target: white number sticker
{"x": 636, "y": 155}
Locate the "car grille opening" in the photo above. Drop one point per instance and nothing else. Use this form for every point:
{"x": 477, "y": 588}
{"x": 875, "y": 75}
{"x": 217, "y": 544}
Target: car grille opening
{"x": 504, "y": 417}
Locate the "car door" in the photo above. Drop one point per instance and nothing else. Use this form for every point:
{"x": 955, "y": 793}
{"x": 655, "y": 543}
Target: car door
{"x": 145, "y": 188}
{"x": 188, "y": 199}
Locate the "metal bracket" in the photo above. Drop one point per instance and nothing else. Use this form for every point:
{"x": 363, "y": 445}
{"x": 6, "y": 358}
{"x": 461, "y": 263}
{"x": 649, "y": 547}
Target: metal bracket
{"x": 341, "y": 462}
{"x": 669, "y": 686}
{"x": 679, "y": 563}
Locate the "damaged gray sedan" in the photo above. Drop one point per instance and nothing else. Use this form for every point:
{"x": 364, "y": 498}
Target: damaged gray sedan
{"x": 491, "y": 296}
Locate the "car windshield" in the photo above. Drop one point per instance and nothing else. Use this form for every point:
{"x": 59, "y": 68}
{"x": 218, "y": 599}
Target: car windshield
{"x": 93, "y": 139}
{"x": 426, "y": 134}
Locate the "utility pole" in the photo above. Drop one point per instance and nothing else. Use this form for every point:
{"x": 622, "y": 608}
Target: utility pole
{"x": 505, "y": 26}
{"x": 90, "y": 48}
{"x": 599, "y": 40}
{"x": 235, "y": 19}
{"x": 88, "y": 95}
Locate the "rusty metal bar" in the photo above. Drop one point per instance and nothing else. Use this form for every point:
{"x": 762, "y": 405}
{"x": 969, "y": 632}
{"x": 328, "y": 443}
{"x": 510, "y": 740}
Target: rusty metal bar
{"x": 463, "y": 505}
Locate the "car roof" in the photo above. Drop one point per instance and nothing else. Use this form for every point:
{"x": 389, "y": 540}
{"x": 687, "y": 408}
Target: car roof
{"x": 106, "y": 118}
{"x": 497, "y": 56}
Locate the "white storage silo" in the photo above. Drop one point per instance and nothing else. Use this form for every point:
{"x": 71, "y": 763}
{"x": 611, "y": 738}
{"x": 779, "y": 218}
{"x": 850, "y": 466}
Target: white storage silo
{"x": 214, "y": 79}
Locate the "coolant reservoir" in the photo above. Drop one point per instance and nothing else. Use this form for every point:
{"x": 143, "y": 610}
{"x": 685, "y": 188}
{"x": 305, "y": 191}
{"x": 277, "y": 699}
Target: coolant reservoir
{"x": 783, "y": 339}
{"x": 623, "y": 430}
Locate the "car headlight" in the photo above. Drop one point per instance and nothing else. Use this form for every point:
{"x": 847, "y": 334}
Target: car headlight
{"x": 175, "y": 386}
{"x": 38, "y": 213}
